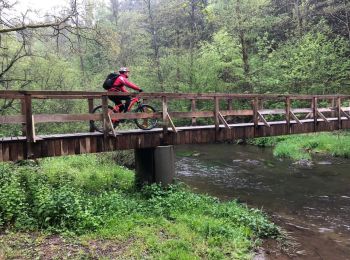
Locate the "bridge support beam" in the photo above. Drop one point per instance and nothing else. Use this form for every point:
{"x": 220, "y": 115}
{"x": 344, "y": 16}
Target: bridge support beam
{"x": 155, "y": 165}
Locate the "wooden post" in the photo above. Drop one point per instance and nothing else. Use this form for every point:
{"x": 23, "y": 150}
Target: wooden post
{"x": 91, "y": 108}
{"x": 229, "y": 107}
{"x": 339, "y": 112}
{"x": 165, "y": 114}
{"x": 314, "y": 112}
{"x": 255, "y": 114}
{"x": 29, "y": 126}
{"x": 193, "y": 109}
{"x": 216, "y": 113}
{"x": 105, "y": 118}
{"x": 229, "y": 104}
{"x": 29, "y": 118}
{"x": 23, "y": 111}
{"x": 333, "y": 107}
{"x": 288, "y": 114}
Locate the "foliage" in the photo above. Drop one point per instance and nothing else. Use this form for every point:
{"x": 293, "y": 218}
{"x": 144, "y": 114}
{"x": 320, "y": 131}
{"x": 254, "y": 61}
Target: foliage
{"x": 93, "y": 196}
{"x": 312, "y": 64}
{"x": 262, "y": 46}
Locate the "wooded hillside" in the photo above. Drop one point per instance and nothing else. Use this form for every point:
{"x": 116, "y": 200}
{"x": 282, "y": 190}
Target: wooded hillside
{"x": 260, "y": 46}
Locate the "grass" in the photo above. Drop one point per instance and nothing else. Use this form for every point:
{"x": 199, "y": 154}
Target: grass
{"x": 86, "y": 207}
{"x": 301, "y": 147}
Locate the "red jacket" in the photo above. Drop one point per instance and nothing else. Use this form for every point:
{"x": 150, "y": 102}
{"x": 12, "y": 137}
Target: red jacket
{"x": 121, "y": 82}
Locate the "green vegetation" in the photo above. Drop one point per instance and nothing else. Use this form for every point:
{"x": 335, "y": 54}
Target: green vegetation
{"x": 251, "y": 46}
{"x": 88, "y": 201}
{"x": 301, "y": 147}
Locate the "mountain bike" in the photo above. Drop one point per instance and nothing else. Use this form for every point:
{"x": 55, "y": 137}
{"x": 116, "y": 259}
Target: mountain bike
{"x": 142, "y": 123}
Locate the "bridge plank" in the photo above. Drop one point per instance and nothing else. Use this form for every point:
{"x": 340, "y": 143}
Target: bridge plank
{"x": 64, "y": 147}
{"x": 45, "y": 148}
{"x": 82, "y": 145}
{"x": 301, "y": 110}
{"x": 58, "y": 147}
{"x": 1, "y": 153}
{"x": 71, "y": 146}
{"x": 6, "y": 152}
{"x": 20, "y": 119}
{"x": 88, "y": 144}
{"x": 50, "y": 147}
{"x": 49, "y": 118}
{"x": 93, "y": 145}
{"x": 272, "y": 111}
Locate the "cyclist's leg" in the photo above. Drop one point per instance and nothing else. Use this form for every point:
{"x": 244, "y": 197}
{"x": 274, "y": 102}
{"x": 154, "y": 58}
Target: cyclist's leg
{"x": 117, "y": 102}
{"x": 127, "y": 103}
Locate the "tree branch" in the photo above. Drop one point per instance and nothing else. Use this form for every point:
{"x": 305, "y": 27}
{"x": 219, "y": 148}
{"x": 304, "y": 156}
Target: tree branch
{"x": 35, "y": 26}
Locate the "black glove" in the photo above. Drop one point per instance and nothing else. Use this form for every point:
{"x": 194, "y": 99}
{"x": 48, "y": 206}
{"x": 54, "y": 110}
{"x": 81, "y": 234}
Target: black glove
{"x": 140, "y": 90}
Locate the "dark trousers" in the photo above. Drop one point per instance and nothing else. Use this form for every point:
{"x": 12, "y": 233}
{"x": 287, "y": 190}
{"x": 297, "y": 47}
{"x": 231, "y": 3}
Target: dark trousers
{"x": 117, "y": 100}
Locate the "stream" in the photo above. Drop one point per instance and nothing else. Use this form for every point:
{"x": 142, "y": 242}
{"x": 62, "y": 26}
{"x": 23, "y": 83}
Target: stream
{"x": 310, "y": 200}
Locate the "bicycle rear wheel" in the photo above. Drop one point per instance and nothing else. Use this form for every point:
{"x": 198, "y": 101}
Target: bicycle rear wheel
{"x": 146, "y": 123}
{"x": 98, "y": 125}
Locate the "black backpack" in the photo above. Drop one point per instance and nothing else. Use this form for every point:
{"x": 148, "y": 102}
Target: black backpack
{"x": 108, "y": 84}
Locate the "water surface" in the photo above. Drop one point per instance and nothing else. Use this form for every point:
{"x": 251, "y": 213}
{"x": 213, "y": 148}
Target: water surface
{"x": 310, "y": 199}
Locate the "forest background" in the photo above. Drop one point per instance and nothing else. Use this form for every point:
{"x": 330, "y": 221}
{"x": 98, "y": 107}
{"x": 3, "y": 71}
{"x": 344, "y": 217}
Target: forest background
{"x": 230, "y": 46}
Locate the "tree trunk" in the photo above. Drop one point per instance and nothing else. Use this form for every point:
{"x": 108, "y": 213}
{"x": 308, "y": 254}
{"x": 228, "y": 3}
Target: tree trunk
{"x": 298, "y": 17}
{"x": 155, "y": 44}
{"x": 192, "y": 38}
{"x": 244, "y": 48}
{"x": 347, "y": 19}
{"x": 115, "y": 11}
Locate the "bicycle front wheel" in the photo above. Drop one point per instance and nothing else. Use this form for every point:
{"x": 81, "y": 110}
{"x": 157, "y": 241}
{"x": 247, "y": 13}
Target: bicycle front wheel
{"x": 146, "y": 123}
{"x": 98, "y": 125}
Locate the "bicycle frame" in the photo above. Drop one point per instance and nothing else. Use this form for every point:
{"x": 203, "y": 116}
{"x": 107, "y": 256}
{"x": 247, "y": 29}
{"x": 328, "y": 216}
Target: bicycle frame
{"x": 142, "y": 123}
{"x": 134, "y": 100}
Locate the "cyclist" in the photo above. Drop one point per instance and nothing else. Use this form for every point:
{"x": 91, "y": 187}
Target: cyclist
{"x": 120, "y": 85}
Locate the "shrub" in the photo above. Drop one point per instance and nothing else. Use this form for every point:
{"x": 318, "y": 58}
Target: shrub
{"x": 61, "y": 195}
{"x": 12, "y": 196}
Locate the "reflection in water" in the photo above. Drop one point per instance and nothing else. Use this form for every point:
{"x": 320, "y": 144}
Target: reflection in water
{"x": 315, "y": 195}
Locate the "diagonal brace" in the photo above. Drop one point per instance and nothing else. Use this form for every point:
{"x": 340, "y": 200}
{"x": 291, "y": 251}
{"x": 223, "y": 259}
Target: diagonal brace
{"x": 295, "y": 118}
{"x": 171, "y": 123}
{"x": 322, "y": 116}
{"x": 263, "y": 119}
{"x": 222, "y": 119}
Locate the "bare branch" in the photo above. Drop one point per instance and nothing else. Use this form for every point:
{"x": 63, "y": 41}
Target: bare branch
{"x": 35, "y": 26}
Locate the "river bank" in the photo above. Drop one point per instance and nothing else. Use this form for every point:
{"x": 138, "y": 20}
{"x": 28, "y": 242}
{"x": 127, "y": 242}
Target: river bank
{"x": 302, "y": 147}
{"x": 86, "y": 206}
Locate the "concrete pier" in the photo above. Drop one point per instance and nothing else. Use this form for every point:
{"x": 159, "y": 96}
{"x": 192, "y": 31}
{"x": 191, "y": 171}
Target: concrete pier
{"x": 155, "y": 165}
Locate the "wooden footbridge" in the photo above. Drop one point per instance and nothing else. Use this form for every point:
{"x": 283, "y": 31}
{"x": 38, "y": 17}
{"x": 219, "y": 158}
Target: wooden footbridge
{"x": 203, "y": 118}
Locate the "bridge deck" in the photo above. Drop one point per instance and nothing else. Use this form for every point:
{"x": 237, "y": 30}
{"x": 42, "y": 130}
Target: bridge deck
{"x": 155, "y": 130}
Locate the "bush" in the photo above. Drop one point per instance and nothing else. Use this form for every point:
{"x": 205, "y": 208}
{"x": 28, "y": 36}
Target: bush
{"x": 58, "y": 195}
{"x": 92, "y": 195}
{"x": 12, "y": 196}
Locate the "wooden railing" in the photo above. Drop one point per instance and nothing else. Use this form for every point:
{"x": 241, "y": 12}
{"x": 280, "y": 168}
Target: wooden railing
{"x": 336, "y": 107}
